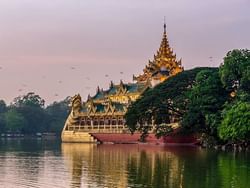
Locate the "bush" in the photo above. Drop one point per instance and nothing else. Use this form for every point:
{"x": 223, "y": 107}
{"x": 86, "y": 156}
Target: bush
{"x": 235, "y": 125}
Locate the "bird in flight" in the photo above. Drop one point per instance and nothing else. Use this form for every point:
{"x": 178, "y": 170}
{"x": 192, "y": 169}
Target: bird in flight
{"x": 211, "y": 58}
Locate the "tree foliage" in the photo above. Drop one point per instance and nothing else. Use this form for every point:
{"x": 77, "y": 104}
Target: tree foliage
{"x": 235, "y": 76}
{"x": 214, "y": 101}
{"x": 27, "y": 114}
{"x": 235, "y": 125}
{"x": 3, "y": 109}
{"x": 235, "y": 70}
{"x": 207, "y": 98}
{"x": 168, "y": 99}
{"x": 57, "y": 114}
{"x": 30, "y": 99}
{"x": 14, "y": 121}
{"x": 3, "y": 106}
{"x": 31, "y": 106}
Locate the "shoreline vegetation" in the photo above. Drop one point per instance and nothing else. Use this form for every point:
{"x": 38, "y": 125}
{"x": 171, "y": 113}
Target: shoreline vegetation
{"x": 211, "y": 101}
{"x": 37, "y": 135}
{"x": 27, "y": 116}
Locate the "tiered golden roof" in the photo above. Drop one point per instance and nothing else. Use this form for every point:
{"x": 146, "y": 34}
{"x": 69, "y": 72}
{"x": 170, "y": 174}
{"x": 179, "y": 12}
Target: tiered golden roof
{"x": 163, "y": 65}
{"x": 114, "y": 100}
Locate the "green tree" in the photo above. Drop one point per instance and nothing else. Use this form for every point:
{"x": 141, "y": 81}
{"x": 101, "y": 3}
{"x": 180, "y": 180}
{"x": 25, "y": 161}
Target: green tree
{"x": 2, "y": 122}
{"x": 30, "y": 99}
{"x": 235, "y": 76}
{"x": 235, "y": 125}
{"x": 245, "y": 85}
{"x": 3, "y": 106}
{"x": 31, "y": 106}
{"x": 57, "y": 114}
{"x": 207, "y": 98}
{"x": 3, "y": 109}
{"x": 14, "y": 121}
{"x": 234, "y": 72}
{"x": 162, "y": 103}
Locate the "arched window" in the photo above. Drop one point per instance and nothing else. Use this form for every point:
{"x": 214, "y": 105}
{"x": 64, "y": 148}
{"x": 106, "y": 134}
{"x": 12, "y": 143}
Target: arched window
{"x": 107, "y": 121}
{"x": 101, "y": 121}
{"x": 88, "y": 121}
{"x": 114, "y": 121}
{"x": 120, "y": 122}
{"x": 95, "y": 121}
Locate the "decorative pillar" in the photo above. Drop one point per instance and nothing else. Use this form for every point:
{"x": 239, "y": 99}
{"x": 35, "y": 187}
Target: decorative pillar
{"x": 91, "y": 122}
{"x": 153, "y": 124}
{"x": 117, "y": 126}
{"x": 98, "y": 123}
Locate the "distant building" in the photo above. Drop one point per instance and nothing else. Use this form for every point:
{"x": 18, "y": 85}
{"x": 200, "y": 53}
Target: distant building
{"x": 104, "y": 112}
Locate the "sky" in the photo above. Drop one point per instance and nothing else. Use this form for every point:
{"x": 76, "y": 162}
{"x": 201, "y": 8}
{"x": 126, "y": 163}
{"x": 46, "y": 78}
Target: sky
{"x": 58, "y": 48}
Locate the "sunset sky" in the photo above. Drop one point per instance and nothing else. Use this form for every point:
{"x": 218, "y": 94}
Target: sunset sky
{"x": 58, "y": 48}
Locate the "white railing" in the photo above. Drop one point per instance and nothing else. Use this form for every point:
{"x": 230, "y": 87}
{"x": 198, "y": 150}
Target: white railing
{"x": 109, "y": 128}
{"x": 98, "y": 128}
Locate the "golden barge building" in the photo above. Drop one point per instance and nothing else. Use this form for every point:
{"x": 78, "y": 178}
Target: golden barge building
{"x": 104, "y": 112}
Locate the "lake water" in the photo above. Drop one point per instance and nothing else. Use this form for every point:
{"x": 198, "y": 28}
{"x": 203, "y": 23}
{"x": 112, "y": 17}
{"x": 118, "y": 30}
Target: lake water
{"x": 37, "y": 163}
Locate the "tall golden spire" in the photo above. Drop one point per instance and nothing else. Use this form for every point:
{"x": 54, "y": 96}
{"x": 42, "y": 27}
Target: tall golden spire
{"x": 165, "y": 50}
{"x": 163, "y": 65}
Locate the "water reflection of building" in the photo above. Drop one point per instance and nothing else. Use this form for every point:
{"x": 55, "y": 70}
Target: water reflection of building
{"x": 104, "y": 112}
{"x": 125, "y": 165}
{"x": 90, "y": 165}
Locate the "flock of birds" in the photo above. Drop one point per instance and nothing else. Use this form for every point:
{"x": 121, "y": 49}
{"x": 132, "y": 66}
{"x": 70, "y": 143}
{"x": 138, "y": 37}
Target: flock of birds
{"x": 24, "y": 85}
{"x": 211, "y": 59}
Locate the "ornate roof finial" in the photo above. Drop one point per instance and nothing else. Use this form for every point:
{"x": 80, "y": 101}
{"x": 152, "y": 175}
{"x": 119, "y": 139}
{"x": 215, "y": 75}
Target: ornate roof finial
{"x": 164, "y": 25}
{"x": 122, "y": 86}
{"x": 111, "y": 85}
{"x": 98, "y": 89}
{"x": 89, "y": 97}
